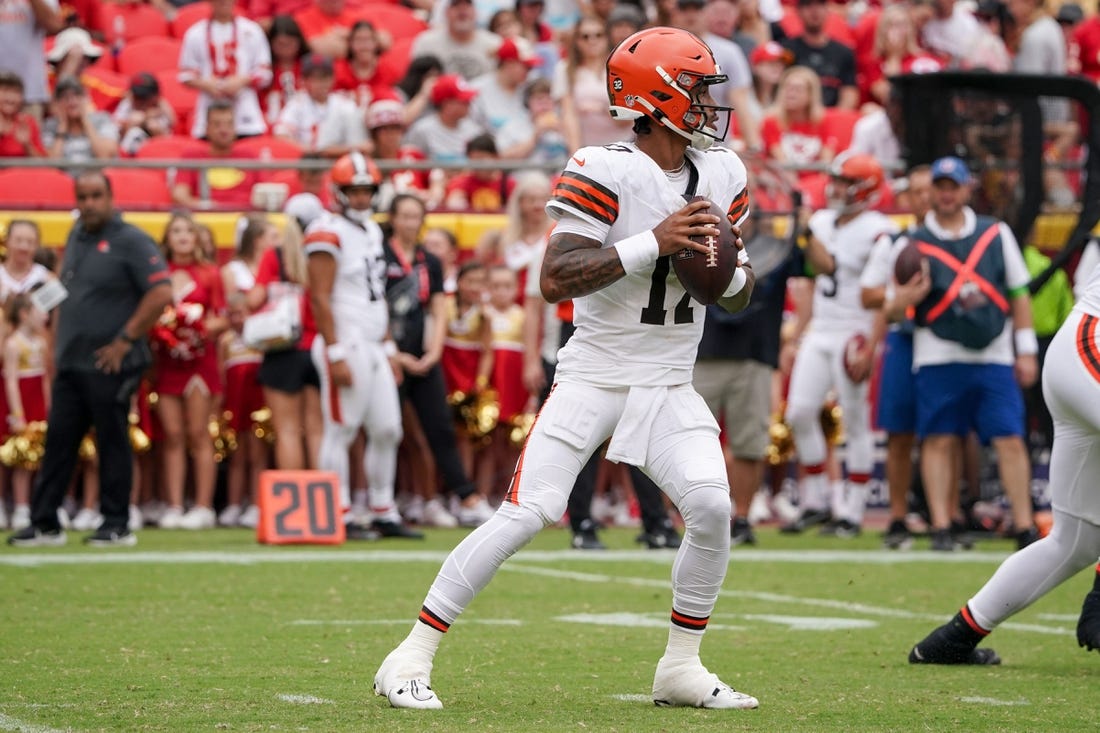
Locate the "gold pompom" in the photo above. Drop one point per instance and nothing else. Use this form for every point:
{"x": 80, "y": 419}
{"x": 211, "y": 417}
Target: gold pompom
{"x": 262, "y": 425}
{"x": 832, "y": 423}
{"x": 223, "y": 436}
{"x": 781, "y": 445}
{"x": 152, "y": 399}
{"x": 139, "y": 439}
{"x": 25, "y": 449}
{"x": 521, "y": 427}
{"x": 88, "y": 450}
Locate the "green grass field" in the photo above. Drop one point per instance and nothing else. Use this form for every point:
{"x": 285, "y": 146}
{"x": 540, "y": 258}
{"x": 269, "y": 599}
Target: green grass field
{"x": 209, "y": 631}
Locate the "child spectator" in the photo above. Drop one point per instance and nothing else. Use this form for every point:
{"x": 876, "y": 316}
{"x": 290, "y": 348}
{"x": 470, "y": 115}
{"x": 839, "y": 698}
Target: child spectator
{"x": 317, "y": 119}
{"x": 78, "y": 133}
{"x": 143, "y": 114}
{"x": 21, "y": 272}
{"x": 506, "y": 322}
{"x": 187, "y": 377}
{"x": 442, "y": 135}
{"x": 27, "y": 388}
{"x": 536, "y": 137}
{"x": 442, "y": 243}
{"x": 19, "y": 134}
{"x": 288, "y": 46}
{"x": 239, "y": 274}
{"x": 226, "y": 58}
{"x": 482, "y": 189}
{"x": 524, "y": 237}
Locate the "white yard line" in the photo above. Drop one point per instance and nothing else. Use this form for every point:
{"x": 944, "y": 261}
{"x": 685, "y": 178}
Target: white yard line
{"x": 992, "y": 701}
{"x": 304, "y": 699}
{"x": 14, "y": 724}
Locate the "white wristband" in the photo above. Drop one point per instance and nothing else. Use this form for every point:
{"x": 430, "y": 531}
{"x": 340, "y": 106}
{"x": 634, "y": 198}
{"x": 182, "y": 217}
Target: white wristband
{"x": 638, "y": 252}
{"x": 1026, "y": 342}
{"x": 737, "y": 284}
{"x": 743, "y": 257}
{"x": 336, "y": 352}
{"x": 389, "y": 348}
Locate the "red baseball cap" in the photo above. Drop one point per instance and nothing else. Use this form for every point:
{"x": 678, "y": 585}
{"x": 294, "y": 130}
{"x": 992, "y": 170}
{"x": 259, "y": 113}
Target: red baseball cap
{"x": 771, "y": 51}
{"x": 509, "y": 50}
{"x": 451, "y": 87}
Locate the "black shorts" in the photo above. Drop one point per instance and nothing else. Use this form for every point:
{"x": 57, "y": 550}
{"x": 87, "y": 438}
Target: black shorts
{"x": 288, "y": 371}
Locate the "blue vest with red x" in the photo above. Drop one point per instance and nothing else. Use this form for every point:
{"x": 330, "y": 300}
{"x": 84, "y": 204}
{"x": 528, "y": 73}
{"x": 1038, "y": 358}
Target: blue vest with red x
{"x": 968, "y": 302}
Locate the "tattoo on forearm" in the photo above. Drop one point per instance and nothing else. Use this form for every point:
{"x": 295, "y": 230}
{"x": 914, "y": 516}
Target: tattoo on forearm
{"x": 576, "y": 266}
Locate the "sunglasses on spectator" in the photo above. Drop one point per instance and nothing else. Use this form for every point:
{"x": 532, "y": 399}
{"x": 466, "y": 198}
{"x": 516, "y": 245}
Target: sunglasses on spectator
{"x": 591, "y": 36}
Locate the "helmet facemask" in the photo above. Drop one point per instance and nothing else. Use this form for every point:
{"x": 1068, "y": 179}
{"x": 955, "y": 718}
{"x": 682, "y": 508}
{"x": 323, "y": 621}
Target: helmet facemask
{"x": 693, "y": 125}
{"x": 849, "y": 196}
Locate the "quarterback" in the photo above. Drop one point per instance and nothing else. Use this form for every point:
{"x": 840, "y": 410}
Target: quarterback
{"x": 626, "y": 373}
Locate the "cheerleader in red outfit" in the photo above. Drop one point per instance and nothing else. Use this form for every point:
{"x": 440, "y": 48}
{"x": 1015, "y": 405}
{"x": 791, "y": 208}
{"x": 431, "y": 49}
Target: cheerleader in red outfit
{"x": 467, "y": 359}
{"x": 506, "y": 321}
{"x": 187, "y": 377}
{"x": 26, "y": 382}
{"x": 243, "y": 396}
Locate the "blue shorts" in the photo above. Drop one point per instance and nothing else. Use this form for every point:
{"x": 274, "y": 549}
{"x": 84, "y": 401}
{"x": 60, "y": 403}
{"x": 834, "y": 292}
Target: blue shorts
{"x": 958, "y": 398}
{"x": 897, "y": 401}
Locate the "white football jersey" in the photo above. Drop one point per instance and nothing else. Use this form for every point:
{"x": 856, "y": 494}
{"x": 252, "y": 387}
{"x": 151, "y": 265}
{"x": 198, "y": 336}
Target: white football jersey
{"x": 359, "y": 290}
{"x": 239, "y": 48}
{"x": 837, "y": 305}
{"x": 643, "y": 329}
{"x": 1088, "y": 297}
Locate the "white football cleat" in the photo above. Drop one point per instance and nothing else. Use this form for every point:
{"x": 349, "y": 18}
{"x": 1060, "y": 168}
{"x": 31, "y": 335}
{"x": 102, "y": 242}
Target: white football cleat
{"x": 406, "y": 682}
{"x": 687, "y": 683}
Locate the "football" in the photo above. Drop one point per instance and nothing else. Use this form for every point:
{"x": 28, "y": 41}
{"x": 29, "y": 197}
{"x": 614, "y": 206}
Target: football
{"x": 706, "y": 276}
{"x": 908, "y": 262}
{"x": 852, "y": 347}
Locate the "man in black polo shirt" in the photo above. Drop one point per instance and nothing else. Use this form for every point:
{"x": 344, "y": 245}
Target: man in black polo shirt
{"x": 117, "y": 287}
{"x": 834, "y": 62}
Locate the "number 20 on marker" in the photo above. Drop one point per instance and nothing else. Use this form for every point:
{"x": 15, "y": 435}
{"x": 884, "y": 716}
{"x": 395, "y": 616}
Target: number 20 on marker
{"x": 300, "y": 508}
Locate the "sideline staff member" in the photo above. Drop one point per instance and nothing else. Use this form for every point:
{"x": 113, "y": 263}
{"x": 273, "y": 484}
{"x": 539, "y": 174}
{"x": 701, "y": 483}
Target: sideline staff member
{"x": 117, "y": 288}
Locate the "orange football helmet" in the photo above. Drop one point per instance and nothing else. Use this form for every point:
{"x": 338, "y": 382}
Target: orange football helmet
{"x": 662, "y": 73}
{"x": 855, "y": 182}
{"x": 353, "y": 170}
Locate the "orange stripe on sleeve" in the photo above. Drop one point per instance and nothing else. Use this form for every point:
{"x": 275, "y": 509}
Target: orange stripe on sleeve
{"x": 323, "y": 237}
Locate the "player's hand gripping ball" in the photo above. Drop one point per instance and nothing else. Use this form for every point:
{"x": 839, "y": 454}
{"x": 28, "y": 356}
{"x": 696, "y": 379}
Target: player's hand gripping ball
{"x": 706, "y": 276}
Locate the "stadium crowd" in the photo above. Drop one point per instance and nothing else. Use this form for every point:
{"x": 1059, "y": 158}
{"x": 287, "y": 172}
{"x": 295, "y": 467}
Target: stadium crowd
{"x": 446, "y": 82}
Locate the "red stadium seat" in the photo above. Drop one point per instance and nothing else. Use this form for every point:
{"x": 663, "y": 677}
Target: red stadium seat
{"x": 398, "y": 21}
{"x": 394, "y": 62}
{"x": 271, "y": 147}
{"x": 187, "y": 16}
{"x": 149, "y": 54}
{"x": 139, "y": 189}
{"x": 182, "y": 97}
{"x": 127, "y": 22}
{"x": 164, "y": 147}
{"x": 36, "y": 188}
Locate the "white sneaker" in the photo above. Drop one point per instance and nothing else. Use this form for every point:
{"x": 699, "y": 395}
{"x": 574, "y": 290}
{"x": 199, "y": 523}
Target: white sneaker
{"x": 151, "y": 511}
{"x": 436, "y": 515}
{"x": 759, "y": 510}
{"x": 406, "y": 682}
{"x": 3, "y": 516}
{"x": 63, "y": 518}
{"x": 21, "y": 517}
{"x": 476, "y": 514}
{"x": 170, "y": 518}
{"x": 230, "y": 516}
{"x": 135, "y": 521}
{"x": 87, "y": 520}
{"x": 413, "y": 510}
{"x": 250, "y": 517}
{"x": 198, "y": 517}
{"x": 687, "y": 683}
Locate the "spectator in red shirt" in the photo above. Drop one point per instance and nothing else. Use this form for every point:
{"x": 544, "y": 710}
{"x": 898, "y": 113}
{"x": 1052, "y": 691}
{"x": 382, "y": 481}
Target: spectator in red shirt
{"x": 288, "y": 46}
{"x": 793, "y": 131}
{"x": 358, "y": 74}
{"x": 482, "y": 189}
{"x": 230, "y": 187}
{"x": 1086, "y": 48}
{"x": 19, "y": 134}
{"x": 327, "y": 26}
{"x": 265, "y": 12}
{"x": 896, "y": 51}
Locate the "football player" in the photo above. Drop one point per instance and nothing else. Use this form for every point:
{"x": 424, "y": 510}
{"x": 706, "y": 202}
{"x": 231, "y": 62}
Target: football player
{"x": 1071, "y": 386}
{"x": 836, "y": 351}
{"x": 626, "y": 372}
{"x": 353, "y": 354}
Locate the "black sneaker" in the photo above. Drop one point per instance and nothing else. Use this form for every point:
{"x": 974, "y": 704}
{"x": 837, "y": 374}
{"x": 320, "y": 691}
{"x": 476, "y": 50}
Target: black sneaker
{"x": 34, "y": 537}
{"x": 1026, "y": 536}
{"x": 395, "y": 529}
{"x": 741, "y": 532}
{"x": 939, "y": 648}
{"x": 961, "y": 536}
{"x": 663, "y": 537}
{"x": 355, "y": 532}
{"x": 942, "y": 541}
{"x": 841, "y": 528}
{"x": 898, "y": 536}
{"x": 586, "y": 538}
{"x": 105, "y": 537}
{"x": 809, "y": 518}
{"x": 1088, "y": 626}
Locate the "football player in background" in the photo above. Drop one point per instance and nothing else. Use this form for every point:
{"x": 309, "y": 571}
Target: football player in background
{"x": 354, "y": 355}
{"x": 626, "y": 373}
{"x": 1071, "y": 386}
{"x": 836, "y": 351}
